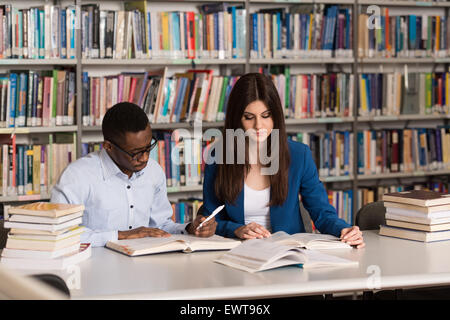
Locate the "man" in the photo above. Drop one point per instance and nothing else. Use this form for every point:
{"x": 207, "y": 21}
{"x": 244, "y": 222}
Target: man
{"x": 123, "y": 190}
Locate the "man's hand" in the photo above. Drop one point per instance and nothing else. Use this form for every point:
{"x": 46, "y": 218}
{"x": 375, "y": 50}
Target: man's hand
{"x": 207, "y": 229}
{"x": 142, "y": 232}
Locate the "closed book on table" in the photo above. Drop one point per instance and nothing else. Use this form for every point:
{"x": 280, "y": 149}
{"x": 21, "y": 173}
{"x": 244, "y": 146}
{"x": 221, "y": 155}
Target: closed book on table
{"x": 46, "y": 220}
{"x": 418, "y": 226}
{"x": 25, "y": 243}
{"x": 42, "y": 226}
{"x": 46, "y": 209}
{"x": 425, "y": 210}
{"x": 423, "y": 198}
{"x": 60, "y": 263}
{"x": 417, "y": 235}
{"x": 37, "y": 254}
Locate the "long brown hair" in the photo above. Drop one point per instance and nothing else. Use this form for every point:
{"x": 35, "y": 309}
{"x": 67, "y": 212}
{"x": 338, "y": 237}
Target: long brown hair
{"x": 230, "y": 177}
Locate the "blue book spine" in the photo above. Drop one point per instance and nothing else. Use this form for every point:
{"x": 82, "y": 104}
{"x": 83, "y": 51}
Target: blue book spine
{"x": 361, "y": 152}
{"x": 307, "y": 23}
{"x": 22, "y": 99}
{"x": 166, "y": 102}
{"x": 167, "y": 144}
{"x": 179, "y": 102}
{"x": 12, "y": 101}
{"x": 149, "y": 26}
{"x": 72, "y": 32}
{"x": 333, "y": 148}
{"x": 347, "y": 153}
{"x": 41, "y": 34}
{"x": 20, "y": 169}
{"x": 63, "y": 32}
{"x": 174, "y": 156}
{"x": 154, "y": 153}
{"x": 233, "y": 16}
{"x": 279, "y": 27}
{"x": 181, "y": 214}
{"x": 216, "y": 31}
{"x": 288, "y": 31}
{"x": 327, "y": 152}
{"x": 303, "y": 31}
{"x": 255, "y": 31}
{"x": 176, "y": 31}
{"x": 348, "y": 27}
{"x": 438, "y": 146}
{"x": 412, "y": 32}
{"x": 397, "y": 35}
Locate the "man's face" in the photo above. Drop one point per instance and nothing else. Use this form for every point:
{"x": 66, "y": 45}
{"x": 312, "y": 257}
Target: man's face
{"x": 132, "y": 143}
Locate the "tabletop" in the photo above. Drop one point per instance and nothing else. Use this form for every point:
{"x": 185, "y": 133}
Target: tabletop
{"x": 384, "y": 263}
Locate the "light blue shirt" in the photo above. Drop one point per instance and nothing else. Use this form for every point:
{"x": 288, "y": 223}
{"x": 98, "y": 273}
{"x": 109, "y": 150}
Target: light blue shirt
{"x": 113, "y": 202}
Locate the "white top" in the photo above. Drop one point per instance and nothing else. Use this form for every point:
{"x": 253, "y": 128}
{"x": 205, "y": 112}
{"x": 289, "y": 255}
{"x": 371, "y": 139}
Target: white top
{"x": 256, "y": 206}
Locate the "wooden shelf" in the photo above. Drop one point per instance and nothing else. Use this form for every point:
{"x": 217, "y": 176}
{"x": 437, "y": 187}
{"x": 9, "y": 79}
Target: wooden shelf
{"x": 38, "y": 62}
{"x": 27, "y": 130}
{"x": 404, "y": 3}
{"x": 159, "y": 62}
{"x": 396, "y": 175}
{"x": 302, "y": 61}
{"x": 403, "y": 117}
{"x": 34, "y": 197}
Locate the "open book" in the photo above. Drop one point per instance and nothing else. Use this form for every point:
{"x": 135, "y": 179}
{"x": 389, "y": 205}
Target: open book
{"x": 263, "y": 254}
{"x": 179, "y": 242}
{"x": 308, "y": 240}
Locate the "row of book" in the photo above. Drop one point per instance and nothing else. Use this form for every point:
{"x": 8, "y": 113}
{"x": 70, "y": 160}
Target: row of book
{"x": 37, "y": 98}
{"x": 332, "y": 151}
{"x": 404, "y": 36}
{"x": 397, "y": 93}
{"x": 317, "y": 31}
{"x": 195, "y": 95}
{"x": 305, "y": 96}
{"x": 41, "y": 32}
{"x": 403, "y": 150}
{"x": 44, "y": 236}
{"x": 34, "y": 169}
{"x": 217, "y": 31}
{"x": 419, "y": 215}
{"x": 342, "y": 201}
{"x": 185, "y": 210}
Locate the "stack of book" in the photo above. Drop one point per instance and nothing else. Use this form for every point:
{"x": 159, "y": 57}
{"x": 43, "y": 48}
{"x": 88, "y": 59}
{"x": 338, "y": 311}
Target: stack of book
{"x": 44, "y": 236}
{"x": 419, "y": 215}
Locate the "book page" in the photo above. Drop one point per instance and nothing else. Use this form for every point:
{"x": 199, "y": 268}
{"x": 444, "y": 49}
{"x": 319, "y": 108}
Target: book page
{"x": 308, "y": 240}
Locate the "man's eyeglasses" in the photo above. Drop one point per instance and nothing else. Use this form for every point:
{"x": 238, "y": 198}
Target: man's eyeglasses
{"x": 137, "y": 155}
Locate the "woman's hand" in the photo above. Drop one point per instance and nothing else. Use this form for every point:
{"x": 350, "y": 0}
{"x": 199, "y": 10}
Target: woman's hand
{"x": 353, "y": 236}
{"x": 252, "y": 231}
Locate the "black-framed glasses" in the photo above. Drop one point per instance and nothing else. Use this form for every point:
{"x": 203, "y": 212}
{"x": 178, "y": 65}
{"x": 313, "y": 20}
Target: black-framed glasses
{"x": 137, "y": 155}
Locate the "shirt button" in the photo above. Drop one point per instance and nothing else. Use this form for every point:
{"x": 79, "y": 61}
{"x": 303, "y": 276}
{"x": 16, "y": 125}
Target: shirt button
{"x": 128, "y": 187}
{"x": 131, "y": 206}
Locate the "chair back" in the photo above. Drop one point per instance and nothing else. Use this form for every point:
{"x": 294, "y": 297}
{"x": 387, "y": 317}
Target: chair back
{"x": 371, "y": 216}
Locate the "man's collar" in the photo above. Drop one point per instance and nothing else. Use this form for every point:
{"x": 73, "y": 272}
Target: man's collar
{"x": 111, "y": 169}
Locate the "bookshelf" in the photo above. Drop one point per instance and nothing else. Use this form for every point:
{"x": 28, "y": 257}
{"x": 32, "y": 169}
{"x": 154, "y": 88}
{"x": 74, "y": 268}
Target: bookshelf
{"x": 354, "y": 65}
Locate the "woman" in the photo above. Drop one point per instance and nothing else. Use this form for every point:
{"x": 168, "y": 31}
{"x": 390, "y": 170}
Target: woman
{"x": 257, "y": 203}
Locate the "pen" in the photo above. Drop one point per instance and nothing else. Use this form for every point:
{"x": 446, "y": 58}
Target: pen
{"x": 211, "y": 216}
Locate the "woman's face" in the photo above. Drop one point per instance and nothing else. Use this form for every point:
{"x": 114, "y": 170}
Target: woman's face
{"x": 257, "y": 121}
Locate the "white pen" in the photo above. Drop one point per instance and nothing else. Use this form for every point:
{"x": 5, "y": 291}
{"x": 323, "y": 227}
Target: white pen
{"x": 211, "y": 216}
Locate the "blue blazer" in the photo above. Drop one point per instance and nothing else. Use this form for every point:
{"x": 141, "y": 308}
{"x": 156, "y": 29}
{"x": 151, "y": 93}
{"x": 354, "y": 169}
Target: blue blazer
{"x": 303, "y": 180}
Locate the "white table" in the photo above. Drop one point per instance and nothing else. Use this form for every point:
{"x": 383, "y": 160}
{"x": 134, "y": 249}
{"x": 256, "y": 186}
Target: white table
{"x": 399, "y": 264}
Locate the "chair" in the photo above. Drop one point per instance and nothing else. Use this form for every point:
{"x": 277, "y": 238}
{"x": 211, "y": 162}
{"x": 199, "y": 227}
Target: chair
{"x": 371, "y": 216}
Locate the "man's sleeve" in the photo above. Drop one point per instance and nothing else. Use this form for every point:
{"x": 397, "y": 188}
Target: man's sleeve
{"x": 72, "y": 188}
